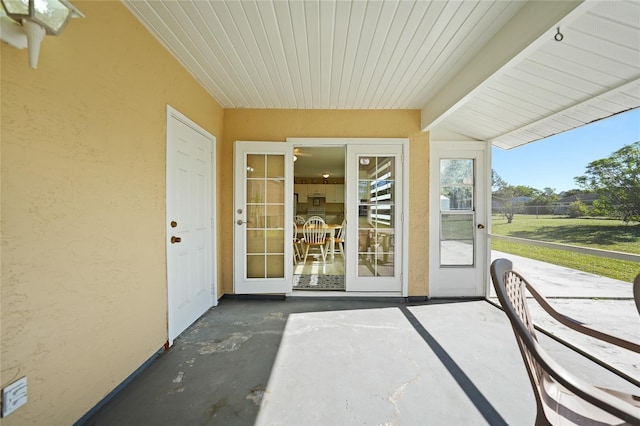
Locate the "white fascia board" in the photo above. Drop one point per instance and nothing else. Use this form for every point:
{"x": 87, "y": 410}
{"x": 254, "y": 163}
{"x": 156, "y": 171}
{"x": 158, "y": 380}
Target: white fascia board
{"x": 528, "y": 28}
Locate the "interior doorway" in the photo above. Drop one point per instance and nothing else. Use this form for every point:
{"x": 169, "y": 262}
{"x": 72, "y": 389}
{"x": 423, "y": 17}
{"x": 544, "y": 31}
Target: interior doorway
{"x": 319, "y": 218}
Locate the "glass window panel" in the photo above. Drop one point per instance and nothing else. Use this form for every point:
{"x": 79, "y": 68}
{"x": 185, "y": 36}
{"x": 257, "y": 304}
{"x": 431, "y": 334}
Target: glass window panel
{"x": 255, "y": 216}
{"x": 275, "y": 241}
{"x": 364, "y": 192}
{"x": 456, "y": 172}
{"x": 385, "y": 265}
{"x": 382, "y": 191}
{"x": 255, "y": 191}
{"x": 256, "y": 166}
{"x": 17, "y": 6}
{"x": 275, "y": 266}
{"x": 376, "y": 216}
{"x": 255, "y": 266}
{"x": 366, "y": 167}
{"x": 275, "y": 166}
{"x": 275, "y": 217}
{"x": 365, "y": 240}
{"x": 456, "y": 227}
{"x": 457, "y": 253}
{"x": 364, "y": 268}
{"x": 456, "y": 198}
{"x": 255, "y": 241}
{"x": 382, "y": 216}
{"x": 52, "y": 13}
{"x": 275, "y": 191}
{"x": 386, "y": 168}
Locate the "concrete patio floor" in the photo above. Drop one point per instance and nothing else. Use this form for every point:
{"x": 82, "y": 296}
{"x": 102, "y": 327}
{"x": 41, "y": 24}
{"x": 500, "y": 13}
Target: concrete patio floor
{"x": 318, "y": 361}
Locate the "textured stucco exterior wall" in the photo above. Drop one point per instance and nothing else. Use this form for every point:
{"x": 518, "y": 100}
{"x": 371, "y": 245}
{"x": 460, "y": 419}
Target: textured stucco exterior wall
{"x": 83, "y": 208}
{"x": 277, "y": 125}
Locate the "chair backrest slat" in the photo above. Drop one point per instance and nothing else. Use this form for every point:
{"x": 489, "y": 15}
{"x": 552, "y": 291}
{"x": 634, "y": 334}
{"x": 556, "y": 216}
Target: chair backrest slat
{"x": 314, "y": 231}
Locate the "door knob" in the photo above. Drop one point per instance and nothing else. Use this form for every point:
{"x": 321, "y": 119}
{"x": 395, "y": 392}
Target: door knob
{"x": 480, "y": 226}
{"x": 175, "y": 240}
{"x": 240, "y": 222}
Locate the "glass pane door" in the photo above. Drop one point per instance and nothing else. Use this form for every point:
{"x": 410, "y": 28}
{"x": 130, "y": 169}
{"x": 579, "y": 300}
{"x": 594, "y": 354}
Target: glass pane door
{"x": 375, "y": 199}
{"x": 263, "y": 205}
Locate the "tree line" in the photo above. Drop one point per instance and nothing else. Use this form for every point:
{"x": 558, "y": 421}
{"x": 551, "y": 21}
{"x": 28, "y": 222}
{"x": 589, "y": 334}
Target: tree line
{"x": 614, "y": 179}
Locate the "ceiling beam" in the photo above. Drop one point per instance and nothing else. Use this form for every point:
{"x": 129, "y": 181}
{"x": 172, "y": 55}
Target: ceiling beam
{"x": 510, "y": 45}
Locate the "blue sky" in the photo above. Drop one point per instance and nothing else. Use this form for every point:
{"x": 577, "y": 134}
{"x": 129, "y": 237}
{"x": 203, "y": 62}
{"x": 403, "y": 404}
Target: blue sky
{"x": 554, "y": 162}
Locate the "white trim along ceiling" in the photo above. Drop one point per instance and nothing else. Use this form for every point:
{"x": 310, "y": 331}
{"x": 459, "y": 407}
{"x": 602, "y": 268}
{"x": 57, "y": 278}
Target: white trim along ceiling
{"x": 509, "y": 72}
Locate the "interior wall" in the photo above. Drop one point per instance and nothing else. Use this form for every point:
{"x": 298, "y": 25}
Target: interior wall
{"x": 277, "y": 125}
{"x": 83, "y": 208}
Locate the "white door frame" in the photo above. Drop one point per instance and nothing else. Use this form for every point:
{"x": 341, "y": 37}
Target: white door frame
{"x": 404, "y": 264}
{"x": 483, "y": 216}
{"x": 174, "y": 114}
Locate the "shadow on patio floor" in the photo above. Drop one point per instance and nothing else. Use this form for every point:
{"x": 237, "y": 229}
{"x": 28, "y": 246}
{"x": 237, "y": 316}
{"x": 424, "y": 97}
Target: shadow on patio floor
{"x": 339, "y": 362}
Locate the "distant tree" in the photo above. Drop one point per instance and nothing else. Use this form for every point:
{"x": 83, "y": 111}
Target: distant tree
{"x": 617, "y": 180}
{"x": 525, "y": 191}
{"x": 496, "y": 181}
{"x": 577, "y": 209}
{"x": 544, "y": 200}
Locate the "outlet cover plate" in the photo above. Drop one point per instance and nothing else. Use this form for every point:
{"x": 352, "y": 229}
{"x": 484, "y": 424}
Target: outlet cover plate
{"x": 14, "y": 396}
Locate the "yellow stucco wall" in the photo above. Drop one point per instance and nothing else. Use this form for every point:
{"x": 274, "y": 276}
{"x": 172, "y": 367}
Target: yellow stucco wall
{"x": 83, "y": 208}
{"x": 277, "y": 125}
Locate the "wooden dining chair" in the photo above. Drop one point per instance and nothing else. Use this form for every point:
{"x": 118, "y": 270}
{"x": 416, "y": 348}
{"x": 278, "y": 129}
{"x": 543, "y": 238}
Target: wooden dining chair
{"x": 561, "y": 397}
{"x": 338, "y": 239}
{"x": 314, "y": 232}
{"x": 297, "y": 256}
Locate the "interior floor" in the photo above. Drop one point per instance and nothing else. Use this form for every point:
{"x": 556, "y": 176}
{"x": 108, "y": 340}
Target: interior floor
{"x": 314, "y": 274}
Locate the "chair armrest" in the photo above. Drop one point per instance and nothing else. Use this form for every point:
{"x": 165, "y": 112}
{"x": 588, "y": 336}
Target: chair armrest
{"x": 575, "y": 325}
{"x": 598, "y": 397}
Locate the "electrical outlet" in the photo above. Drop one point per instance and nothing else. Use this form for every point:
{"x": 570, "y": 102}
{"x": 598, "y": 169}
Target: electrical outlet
{"x": 14, "y": 396}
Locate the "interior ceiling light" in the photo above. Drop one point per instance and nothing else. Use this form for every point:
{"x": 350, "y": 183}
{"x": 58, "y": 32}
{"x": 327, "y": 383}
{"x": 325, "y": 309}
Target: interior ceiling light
{"x": 35, "y": 18}
{"x": 295, "y": 158}
{"x": 364, "y": 161}
{"x": 325, "y": 175}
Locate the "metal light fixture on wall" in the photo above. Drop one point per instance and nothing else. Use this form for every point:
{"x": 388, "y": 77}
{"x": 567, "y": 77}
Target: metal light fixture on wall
{"x": 38, "y": 17}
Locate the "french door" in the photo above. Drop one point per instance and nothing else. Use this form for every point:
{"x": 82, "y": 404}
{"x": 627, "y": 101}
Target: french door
{"x": 374, "y": 218}
{"x": 458, "y": 235}
{"x": 263, "y": 210}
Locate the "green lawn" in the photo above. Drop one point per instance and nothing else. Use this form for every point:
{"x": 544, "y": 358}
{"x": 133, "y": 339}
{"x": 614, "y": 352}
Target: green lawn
{"x": 604, "y": 234}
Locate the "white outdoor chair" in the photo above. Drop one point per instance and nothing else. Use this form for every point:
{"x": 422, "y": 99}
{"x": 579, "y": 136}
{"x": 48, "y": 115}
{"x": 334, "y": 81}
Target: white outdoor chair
{"x": 314, "y": 234}
{"x": 299, "y": 219}
{"x": 561, "y": 397}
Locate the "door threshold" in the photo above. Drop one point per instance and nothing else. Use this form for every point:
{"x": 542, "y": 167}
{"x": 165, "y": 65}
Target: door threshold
{"x": 349, "y": 294}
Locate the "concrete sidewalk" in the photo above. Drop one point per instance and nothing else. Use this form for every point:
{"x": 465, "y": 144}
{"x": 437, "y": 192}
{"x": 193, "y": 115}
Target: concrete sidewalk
{"x": 600, "y": 303}
{"x": 558, "y": 281}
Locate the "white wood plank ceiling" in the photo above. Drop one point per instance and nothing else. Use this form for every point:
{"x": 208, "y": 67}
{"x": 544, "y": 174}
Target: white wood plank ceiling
{"x": 593, "y": 73}
{"x": 344, "y": 54}
{"x": 322, "y": 54}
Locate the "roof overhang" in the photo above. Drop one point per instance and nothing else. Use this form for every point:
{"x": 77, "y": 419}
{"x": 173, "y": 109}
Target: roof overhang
{"x": 525, "y": 85}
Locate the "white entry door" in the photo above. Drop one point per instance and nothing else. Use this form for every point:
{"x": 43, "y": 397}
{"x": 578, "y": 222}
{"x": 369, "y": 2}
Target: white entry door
{"x": 374, "y": 218}
{"x": 263, "y": 217}
{"x": 190, "y": 278}
{"x": 458, "y": 235}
